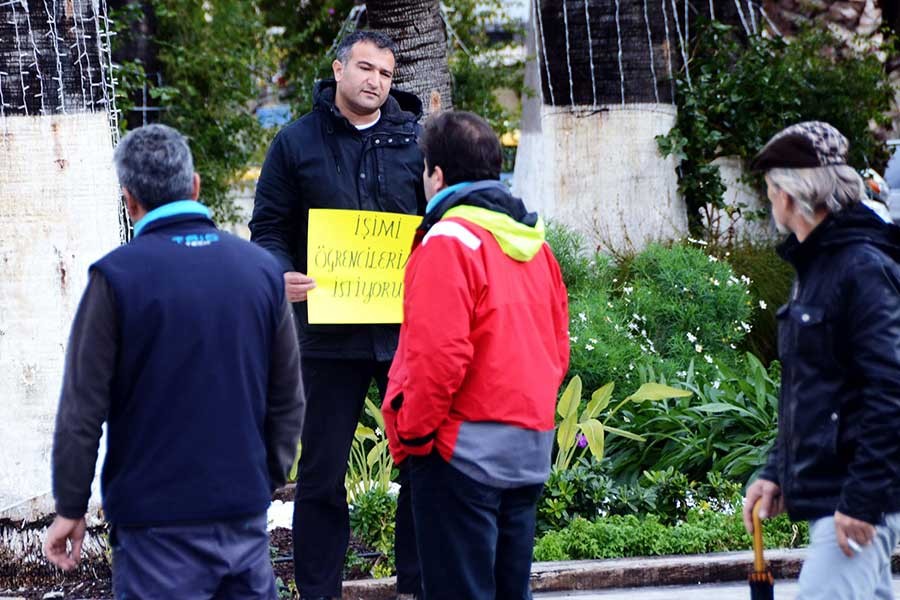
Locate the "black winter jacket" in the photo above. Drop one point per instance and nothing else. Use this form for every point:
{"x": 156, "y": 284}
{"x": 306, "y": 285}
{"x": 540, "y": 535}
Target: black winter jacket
{"x": 838, "y": 445}
{"x": 322, "y": 161}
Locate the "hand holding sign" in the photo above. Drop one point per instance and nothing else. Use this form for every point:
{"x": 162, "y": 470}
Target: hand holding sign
{"x": 357, "y": 259}
{"x": 296, "y": 286}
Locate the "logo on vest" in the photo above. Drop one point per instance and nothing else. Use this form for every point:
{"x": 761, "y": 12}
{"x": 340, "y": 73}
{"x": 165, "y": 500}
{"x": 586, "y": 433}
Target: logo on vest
{"x": 196, "y": 240}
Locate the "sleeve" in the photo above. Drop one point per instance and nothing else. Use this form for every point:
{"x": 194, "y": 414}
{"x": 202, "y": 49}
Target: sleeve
{"x": 86, "y": 396}
{"x": 439, "y": 307}
{"x": 874, "y": 339}
{"x": 769, "y": 472}
{"x": 273, "y": 222}
{"x": 286, "y": 403}
{"x": 561, "y": 320}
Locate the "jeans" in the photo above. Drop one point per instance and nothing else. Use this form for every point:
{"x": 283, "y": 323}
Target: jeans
{"x": 828, "y": 574}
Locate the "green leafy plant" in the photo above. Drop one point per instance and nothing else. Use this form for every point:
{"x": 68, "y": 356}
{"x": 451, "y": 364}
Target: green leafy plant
{"x": 586, "y": 489}
{"x": 594, "y": 430}
{"x": 742, "y": 93}
{"x": 728, "y": 425}
{"x": 371, "y": 465}
{"x": 372, "y": 516}
{"x": 214, "y": 57}
{"x": 702, "y": 531}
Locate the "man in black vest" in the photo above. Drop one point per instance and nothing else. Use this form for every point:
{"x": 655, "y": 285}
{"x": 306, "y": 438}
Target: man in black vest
{"x": 184, "y": 345}
{"x": 356, "y": 150}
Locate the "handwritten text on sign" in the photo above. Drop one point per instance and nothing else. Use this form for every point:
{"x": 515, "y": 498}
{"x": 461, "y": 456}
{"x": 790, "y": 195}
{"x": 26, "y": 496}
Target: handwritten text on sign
{"x": 357, "y": 259}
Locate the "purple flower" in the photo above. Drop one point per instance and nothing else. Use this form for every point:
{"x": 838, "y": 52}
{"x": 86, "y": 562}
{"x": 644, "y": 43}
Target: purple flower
{"x": 330, "y": 11}
{"x": 581, "y": 440}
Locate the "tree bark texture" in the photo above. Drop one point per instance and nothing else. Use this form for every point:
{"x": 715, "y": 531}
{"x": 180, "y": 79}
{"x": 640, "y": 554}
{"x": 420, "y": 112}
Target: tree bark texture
{"x": 591, "y": 57}
{"x": 418, "y": 29}
{"x": 53, "y": 57}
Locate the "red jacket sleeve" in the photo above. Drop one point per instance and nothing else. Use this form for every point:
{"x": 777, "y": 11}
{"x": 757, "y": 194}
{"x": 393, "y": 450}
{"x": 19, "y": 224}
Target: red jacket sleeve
{"x": 442, "y": 289}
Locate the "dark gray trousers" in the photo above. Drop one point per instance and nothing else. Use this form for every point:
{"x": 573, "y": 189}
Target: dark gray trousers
{"x": 224, "y": 560}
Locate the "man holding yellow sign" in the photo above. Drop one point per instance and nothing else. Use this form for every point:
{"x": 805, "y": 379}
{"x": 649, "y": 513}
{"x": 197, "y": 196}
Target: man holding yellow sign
{"x": 333, "y": 204}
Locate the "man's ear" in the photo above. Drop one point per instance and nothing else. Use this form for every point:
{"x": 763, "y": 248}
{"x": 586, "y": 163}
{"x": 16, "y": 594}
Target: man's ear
{"x": 438, "y": 177}
{"x": 337, "y": 67}
{"x": 195, "y": 192}
{"x": 133, "y": 207}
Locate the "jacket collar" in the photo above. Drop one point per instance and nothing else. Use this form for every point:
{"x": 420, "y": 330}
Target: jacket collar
{"x": 184, "y": 209}
{"x": 854, "y": 225}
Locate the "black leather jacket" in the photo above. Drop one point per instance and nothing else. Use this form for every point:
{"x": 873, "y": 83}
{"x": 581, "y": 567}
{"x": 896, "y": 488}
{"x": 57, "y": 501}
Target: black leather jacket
{"x": 838, "y": 445}
{"x": 322, "y": 161}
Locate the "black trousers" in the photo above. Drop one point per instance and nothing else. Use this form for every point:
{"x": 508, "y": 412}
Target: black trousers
{"x": 335, "y": 394}
{"x": 475, "y": 541}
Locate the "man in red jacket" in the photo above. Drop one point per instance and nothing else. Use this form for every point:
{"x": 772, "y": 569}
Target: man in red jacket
{"x": 483, "y": 349}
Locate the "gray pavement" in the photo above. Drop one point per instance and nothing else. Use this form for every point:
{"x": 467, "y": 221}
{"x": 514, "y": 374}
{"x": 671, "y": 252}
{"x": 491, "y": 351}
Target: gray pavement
{"x": 731, "y": 591}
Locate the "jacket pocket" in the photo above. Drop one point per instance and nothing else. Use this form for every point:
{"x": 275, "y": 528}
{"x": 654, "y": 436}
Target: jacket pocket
{"x": 809, "y": 331}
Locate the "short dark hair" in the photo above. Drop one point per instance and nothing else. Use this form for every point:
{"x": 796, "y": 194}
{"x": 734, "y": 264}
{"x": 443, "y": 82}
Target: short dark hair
{"x": 381, "y": 40}
{"x": 155, "y": 165}
{"x": 463, "y": 145}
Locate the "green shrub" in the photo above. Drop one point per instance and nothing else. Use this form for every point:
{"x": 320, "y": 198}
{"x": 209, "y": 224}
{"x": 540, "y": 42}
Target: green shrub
{"x": 372, "y": 520}
{"x": 667, "y": 307}
{"x": 701, "y": 532}
{"x": 684, "y": 298}
{"x": 771, "y": 279}
{"x": 581, "y": 270}
{"x": 586, "y": 490}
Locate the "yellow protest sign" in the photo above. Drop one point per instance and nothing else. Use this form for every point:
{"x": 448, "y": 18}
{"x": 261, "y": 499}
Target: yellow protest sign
{"x": 357, "y": 258}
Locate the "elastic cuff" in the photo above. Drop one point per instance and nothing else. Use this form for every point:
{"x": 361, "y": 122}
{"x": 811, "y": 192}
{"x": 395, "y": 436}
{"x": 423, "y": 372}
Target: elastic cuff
{"x": 423, "y": 450}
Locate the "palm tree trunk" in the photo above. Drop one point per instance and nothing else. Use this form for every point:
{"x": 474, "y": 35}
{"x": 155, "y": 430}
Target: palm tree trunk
{"x": 58, "y": 213}
{"x": 588, "y": 155}
{"x": 418, "y": 29}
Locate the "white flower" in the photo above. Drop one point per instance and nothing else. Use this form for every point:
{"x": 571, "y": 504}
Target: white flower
{"x": 588, "y": 347}
{"x": 714, "y": 281}
{"x": 681, "y": 374}
{"x": 574, "y": 339}
{"x": 628, "y": 289}
{"x": 713, "y": 258}
{"x": 732, "y": 346}
{"x": 582, "y": 316}
{"x": 716, "y": 384}
{"x": 746, "y": 279}
{"x": 592, "y": 340}
{"x": 762, "y": 304}
{"x": 609, "y": 304}
{"x": 746, "y": 327}
{"x": 708, "y": 358}
{"x": 698, "y": 348}
{"x": 691, "y": 337}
